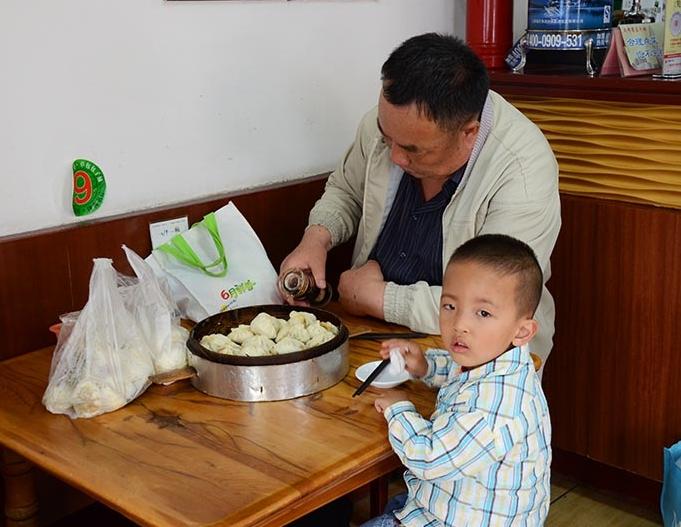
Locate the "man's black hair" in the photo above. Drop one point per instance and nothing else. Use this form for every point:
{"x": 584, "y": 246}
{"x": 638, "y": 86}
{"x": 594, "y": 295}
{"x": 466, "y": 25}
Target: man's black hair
{"x": 507, "y": 256}
{"x": 441, "y": 75}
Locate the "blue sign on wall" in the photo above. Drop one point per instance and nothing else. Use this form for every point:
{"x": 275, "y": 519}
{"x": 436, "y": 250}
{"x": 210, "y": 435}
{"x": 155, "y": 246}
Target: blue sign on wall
{"x": 566, "y": 15}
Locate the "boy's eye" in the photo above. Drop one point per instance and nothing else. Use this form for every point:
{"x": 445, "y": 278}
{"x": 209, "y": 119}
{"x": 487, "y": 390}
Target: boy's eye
{"x": 484, "y": 314}
{"x": 448, "y": 307}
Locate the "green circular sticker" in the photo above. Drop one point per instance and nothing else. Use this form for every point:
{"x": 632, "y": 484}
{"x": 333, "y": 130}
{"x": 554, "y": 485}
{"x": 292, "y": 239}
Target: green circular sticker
{"x": 88, "y": 187}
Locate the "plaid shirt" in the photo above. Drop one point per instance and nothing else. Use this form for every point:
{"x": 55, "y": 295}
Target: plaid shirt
{"x": 483, "y": 458}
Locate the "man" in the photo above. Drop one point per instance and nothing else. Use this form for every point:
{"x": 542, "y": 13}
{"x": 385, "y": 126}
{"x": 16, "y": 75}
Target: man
{"x": 441, "y": 160}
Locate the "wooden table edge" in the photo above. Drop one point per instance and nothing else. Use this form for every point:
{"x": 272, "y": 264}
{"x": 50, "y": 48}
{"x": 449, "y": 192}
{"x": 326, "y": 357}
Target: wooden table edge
{"x": 351, "y": 481}
{"x": 382, "y": 464}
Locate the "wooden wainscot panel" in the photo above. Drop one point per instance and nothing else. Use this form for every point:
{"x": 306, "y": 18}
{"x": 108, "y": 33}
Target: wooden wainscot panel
{"x": 612, "y": 150}
{"x": 44, "y": 274}
{"x": 566, "y": 375}
{"x": 614, "y": 378}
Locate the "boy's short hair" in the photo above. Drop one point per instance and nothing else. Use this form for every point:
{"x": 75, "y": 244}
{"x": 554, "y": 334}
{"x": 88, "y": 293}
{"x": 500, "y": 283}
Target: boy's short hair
{"x": 507, "y": 256}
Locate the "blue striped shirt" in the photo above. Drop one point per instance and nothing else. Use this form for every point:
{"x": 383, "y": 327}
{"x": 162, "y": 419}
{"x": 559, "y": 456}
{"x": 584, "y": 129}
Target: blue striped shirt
{"x": 483, "y": 458}
{"x": 409, "y": 247}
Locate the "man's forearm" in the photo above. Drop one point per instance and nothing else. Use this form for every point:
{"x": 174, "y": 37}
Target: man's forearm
{"x": 318, "y": 234}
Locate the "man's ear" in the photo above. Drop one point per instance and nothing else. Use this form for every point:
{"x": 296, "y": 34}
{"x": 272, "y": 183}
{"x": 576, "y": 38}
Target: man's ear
{"x": 470, "y": 131}
{"x": 526, "y": 330}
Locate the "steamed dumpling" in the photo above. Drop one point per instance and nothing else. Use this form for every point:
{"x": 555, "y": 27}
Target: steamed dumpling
{"x": 279, "y": 323}
{"x": 303, "y": 317}
{"x": 298, "y": 332}
{"x": 283, "y": 332}
{"x": 329, "y": 327}
{"x": 319, "y": 338}
{"x": 257, "y": 346}
{"x": 288, "y": 345}
{"x": 268, "y": 335}
{"x": 317, "y": 330}
{"x": 215, "y": 342}
{"x": 240, "y": 333}
{"x": 175, "y": 355}
{"x": 92, "y": 397}
{"x": 265, "y": 325}
{"x": 230, "y": 348}
{"x": 220, "y": 343}
{"x": 58, "y": 398}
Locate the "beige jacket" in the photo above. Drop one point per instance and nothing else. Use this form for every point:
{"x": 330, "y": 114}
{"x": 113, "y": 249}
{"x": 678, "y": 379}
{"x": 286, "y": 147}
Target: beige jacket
{"x": 510, "y": 186}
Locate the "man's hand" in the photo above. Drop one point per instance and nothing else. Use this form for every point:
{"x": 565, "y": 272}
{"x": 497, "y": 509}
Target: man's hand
{"x": 361, "y": 290}
{"x": 309, "y": 254}
{"x": 388, "y": 398}
{"x": 414, "y": 361}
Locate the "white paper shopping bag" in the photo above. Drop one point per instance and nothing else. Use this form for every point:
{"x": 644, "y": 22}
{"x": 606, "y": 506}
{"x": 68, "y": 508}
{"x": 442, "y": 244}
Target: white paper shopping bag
{"x": 217, "y": 265}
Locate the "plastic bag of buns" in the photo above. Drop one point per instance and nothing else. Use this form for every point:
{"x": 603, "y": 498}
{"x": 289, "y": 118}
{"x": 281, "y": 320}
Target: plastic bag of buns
{"x": 105, "y": 361}
{"x": 157, "y": 316}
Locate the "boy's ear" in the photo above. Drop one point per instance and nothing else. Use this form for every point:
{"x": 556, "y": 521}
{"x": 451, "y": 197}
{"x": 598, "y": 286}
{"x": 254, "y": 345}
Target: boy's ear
{"x": 526, "y": 330}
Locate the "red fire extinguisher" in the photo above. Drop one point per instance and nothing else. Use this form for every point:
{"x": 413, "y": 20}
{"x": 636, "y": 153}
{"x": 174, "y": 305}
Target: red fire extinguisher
{"x": 489, "y": 30}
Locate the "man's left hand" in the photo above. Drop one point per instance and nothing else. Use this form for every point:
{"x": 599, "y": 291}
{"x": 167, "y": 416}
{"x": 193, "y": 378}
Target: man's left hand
{"x": 361, "y": 290}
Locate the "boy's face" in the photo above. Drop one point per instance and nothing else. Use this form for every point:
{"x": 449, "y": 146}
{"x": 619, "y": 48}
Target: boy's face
{"x": 479, "y": 316}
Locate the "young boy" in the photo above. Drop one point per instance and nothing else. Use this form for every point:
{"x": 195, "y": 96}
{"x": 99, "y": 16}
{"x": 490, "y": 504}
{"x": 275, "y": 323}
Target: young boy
{"x": 483, "y": 458}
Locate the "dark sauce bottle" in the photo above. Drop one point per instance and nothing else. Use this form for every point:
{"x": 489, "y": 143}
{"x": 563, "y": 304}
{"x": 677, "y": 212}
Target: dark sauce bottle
{"x": 300, "y": 284}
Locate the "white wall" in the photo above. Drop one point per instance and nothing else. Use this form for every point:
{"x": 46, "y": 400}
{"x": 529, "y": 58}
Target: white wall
{"x": 177, "y": 100}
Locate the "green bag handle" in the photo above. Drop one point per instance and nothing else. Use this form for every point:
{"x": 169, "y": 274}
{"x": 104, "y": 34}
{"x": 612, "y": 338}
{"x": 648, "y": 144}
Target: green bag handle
{"x": 182, "y": 251}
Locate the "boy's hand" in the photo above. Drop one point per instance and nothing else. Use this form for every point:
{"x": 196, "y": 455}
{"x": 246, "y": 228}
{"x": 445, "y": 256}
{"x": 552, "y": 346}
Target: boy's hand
{"x": 415, "y": 362}
{"x": 388, "y": 398}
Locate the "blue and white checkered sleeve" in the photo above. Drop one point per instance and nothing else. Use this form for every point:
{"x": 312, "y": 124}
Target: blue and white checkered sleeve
{"x": 453, "y": 446}
{"x": 439, "y": 364}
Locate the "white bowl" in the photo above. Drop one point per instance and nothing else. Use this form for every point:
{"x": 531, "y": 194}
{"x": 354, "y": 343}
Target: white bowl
{"x": 385, "y": 379}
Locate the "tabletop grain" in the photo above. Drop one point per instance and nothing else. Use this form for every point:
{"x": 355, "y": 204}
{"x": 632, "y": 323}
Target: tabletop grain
{"x": 175, "y": 456}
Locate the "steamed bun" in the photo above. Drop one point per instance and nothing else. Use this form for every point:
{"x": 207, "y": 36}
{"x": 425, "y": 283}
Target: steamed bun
{"x": 268, "y": 335}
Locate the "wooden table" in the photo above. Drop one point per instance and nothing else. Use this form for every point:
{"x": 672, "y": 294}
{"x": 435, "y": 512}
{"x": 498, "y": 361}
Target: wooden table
{"x": 178, "y": 457}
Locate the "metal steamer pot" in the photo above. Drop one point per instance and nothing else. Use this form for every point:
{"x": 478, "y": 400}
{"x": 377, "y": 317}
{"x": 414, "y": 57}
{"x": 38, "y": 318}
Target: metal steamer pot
{"x": 271, "y": 377}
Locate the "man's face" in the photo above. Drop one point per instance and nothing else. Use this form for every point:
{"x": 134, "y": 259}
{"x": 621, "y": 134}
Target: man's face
{"x": 419, "y": 146}
{"x": 479, "y": 317}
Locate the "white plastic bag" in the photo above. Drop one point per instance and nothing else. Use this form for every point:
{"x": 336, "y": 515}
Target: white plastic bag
{"x": 157, "y": 316}
{"x": 104, "y": 362}
{"x": 217, "y": 265}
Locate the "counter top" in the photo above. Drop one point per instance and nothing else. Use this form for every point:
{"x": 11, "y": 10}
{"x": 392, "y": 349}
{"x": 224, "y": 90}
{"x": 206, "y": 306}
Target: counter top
{"x": 554, "y": 82}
